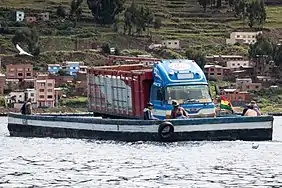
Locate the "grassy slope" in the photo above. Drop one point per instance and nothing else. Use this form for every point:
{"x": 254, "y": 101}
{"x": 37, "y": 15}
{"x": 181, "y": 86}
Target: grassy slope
{"x": 182, "y": 19}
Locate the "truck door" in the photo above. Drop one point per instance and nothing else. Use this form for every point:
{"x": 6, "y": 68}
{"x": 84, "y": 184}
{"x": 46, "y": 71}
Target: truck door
{"x": 157, "y": 98}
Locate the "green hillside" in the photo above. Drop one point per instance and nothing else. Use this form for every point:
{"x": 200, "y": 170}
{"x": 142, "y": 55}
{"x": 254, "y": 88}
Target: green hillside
{"x": 181, "y": 19}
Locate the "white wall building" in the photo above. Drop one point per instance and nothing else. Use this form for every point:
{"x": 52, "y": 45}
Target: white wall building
{"x": 237, "y": 64}
{"x": 243, "y": 37}
{"x": 19, "y": 16}
{"x": 174, "y": 44}
{"x": 16, "y": 97}
{"x": 31, "y": 94}
{"x": 44, "y": 16}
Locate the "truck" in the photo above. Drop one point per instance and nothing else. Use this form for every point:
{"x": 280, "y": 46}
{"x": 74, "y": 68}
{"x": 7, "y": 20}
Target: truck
{"x": 124, "y": 90}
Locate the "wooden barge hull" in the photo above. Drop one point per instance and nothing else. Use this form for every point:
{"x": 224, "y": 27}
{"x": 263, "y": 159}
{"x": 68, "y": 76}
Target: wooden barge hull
{"x": 216, "y": 129}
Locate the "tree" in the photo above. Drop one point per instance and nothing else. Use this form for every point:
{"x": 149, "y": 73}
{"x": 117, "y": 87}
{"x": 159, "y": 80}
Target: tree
{"x": 75, "y": 11}
{"x": 105, "y": 11}
{"x": 264, "y": 46}
{"x": 28, "y": 38}
{"x": 204, "y": 4}
{"x": 253, "y": 11}
{"x": 240, "y": 10}
{"x": 62, "y": 72}
{"x": 218, "y": 4}
{"x": 231, "y": 3}
{"x": 278, "y": 55}
{"x": 197, "y": 56}
{"x": 61, "y": 12}
{"x": 157, "y": 23}
{"x": 139, "y": 17}
{"x": 106, "y": 48}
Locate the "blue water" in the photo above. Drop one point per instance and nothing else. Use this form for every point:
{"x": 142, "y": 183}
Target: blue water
{"x": 46, "y": 162}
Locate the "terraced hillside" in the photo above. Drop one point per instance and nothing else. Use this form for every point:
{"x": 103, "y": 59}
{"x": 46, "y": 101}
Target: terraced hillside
{"x": 182, "y": 19}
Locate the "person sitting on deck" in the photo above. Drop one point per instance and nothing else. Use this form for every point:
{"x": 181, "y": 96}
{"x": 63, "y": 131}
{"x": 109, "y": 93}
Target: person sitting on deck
{"x": 249, "y": 111}
{"x": 148, "y": 113}
{"x": 26, "y": 108}
{"x": 255, "y": 107}
{"x": 178, "y": 112}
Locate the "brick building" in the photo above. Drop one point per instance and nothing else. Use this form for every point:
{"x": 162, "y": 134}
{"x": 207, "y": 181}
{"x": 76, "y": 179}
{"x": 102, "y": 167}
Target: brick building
{"x": 45, "y": 94}
{"x": 19, "y": 71}
{"x": 237, "y": 97}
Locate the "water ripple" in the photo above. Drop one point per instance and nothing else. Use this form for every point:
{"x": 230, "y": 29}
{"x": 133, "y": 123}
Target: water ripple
{"x": 46, "y": 162}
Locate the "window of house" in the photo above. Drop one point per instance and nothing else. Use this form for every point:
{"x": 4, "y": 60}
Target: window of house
{"x": 20, "y": 74}
{"x": 233, "y": 64}
{"x": 50, "y": 90}
{"x": 41, "y": 90}
{"x": 238, "y": 36}
{"x": 219, "y": 73}
{"x": 238, "y": 64}
{"x": 211, "y": 69}
{"x": 169, "y": 42}
{"x": 41, "y": 96}
{"x": 50, "y": 84}
{"x": 245, "y": 64}
{"x": 257, "y": 87}
{"x": 42, "y": 84}
{"x": 175, "y": 43}
{"x": 28, "y": 74}
{"x": 248, "y": 87}
{"x": 49, "y": 96}
{"x": 32, "y": 94}
{"x": 211, "y": 73}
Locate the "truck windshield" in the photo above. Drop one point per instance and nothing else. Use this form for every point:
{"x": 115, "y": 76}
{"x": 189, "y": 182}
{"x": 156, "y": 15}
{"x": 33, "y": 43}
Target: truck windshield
{"x": 188, "y": 94}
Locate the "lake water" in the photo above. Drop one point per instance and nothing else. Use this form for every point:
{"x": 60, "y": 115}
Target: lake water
{"x": 46, "y": 162}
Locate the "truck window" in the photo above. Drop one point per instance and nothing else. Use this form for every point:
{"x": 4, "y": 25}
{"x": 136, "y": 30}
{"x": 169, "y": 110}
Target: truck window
{"x": 156, "y": 93}
{"x": 189, "y": 94}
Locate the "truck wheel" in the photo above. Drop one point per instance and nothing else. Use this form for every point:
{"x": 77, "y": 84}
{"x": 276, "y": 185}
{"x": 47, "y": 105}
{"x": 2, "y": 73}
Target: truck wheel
{"x": 165, "y": 131}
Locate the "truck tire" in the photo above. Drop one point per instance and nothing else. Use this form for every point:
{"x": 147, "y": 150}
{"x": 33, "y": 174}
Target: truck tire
{"x": 165, "y": 131}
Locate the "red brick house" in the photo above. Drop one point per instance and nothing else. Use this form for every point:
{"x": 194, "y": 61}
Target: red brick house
{"x": 237, "y": 98}
{"x": 19, "y": 71}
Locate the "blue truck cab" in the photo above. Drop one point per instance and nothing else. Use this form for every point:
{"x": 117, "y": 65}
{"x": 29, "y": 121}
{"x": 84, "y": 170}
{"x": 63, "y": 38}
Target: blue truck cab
{"x": 184, "y": 81}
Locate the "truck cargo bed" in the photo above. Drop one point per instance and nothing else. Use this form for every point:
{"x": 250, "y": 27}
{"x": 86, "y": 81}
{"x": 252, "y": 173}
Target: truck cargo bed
{"x": 119, "y": 90}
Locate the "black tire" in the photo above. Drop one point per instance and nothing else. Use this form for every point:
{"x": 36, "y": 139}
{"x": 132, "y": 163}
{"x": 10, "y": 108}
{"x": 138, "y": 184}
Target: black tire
{"x": 165, "y": 131}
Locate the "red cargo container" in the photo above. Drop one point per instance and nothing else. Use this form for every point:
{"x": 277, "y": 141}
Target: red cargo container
{"x": 122, "y": 90}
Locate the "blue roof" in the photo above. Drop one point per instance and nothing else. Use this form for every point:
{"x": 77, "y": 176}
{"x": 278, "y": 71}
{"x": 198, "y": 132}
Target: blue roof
{"x": 178, "y": 72}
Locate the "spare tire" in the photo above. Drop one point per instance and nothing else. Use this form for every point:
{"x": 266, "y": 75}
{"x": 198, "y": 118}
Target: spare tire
{"x": 165, "y": 131}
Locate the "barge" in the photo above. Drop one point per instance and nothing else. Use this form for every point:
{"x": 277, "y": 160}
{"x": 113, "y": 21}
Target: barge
{"x": 198, "y": 129}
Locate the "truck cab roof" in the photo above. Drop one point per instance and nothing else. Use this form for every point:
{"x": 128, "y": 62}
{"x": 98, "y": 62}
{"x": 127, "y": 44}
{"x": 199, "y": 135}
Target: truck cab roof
{"x": 178, "y": 71}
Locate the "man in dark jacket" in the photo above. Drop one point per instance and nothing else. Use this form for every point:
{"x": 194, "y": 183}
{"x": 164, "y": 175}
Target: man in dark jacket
{"x": 148, "y": 112}
{"x": 178, "y": 112}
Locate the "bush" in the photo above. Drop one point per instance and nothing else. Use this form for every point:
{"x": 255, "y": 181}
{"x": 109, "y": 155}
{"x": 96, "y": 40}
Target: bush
{"x": 106, "y": 48}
